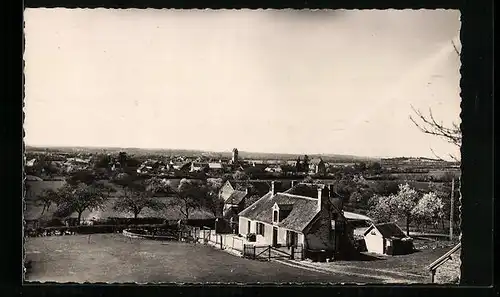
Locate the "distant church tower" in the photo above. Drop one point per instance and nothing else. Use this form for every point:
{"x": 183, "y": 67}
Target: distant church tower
{"x": 235, "y": 156}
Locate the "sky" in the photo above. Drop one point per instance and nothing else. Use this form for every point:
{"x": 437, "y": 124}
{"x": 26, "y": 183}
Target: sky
{"x": 284, "y": 81}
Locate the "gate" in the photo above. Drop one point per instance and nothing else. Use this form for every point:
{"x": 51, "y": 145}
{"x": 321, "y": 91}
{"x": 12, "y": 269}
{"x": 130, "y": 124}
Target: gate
{"x": 269, "y": 252}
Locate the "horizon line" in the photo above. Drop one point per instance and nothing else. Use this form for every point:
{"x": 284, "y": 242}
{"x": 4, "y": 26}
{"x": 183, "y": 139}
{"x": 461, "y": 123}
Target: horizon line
{"x": 228, "y": 151}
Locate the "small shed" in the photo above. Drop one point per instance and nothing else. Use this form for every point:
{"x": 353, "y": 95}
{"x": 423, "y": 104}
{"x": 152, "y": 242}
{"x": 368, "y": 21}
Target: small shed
{"x": 387, "y": 239}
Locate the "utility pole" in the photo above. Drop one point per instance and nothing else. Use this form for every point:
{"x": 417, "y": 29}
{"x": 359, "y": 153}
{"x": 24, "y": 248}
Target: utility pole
{"x": 452, "y": 207}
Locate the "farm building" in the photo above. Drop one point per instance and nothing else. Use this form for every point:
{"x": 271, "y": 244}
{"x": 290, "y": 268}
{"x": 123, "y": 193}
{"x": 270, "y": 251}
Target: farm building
{"x": 255, "y": 187}
{"x": 358, "y": 222}
{"x": 237, "y": 195}
{"x": 302, "y": 215}
{"x": 387, "y": 239}
{"x": 234, "y": 204}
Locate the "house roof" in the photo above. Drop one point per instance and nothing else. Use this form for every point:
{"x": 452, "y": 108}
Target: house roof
{"x": 305, "y": 189}
{"x": 31, "y": 162}
{"x": 387, "y": 230}
{"x": 304, "y": 210}
{"x": 236, "y": 197}
{"x": 215, "y": 165}
{"x": 257, "y": 187}
{"x": 355, "y": 216}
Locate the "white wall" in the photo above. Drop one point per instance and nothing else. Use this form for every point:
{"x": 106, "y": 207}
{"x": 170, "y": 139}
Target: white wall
{"x": 374, "y": 242}
{"x": 243, "y": 226}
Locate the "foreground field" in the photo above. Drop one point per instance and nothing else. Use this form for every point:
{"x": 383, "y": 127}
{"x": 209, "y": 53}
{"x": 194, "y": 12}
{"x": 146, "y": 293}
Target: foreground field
{"x": 115, "y": 258}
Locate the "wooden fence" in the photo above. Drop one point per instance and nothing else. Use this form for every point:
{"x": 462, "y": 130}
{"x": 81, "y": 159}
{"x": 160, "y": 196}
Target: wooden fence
{"x": 268, "y": 252}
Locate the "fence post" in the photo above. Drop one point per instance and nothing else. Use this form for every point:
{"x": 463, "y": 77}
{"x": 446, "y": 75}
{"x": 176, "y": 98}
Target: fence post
{"x": 221, "y": 247}
{"x": 269, "y": 252}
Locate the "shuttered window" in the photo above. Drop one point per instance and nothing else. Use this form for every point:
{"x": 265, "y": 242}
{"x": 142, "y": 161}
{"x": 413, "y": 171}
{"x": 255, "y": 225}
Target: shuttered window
{"x": 260, "y": 228}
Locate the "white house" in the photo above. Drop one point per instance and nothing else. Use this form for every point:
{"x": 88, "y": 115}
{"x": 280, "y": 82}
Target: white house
{"x": 386, "y": 239}
{"x": 302, "y": 215}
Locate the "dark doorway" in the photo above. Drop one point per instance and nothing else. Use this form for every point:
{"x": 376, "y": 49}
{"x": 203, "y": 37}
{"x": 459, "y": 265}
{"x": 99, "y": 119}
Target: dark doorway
{"x": 291, "y": 238}
{"x": 275, "y": 236}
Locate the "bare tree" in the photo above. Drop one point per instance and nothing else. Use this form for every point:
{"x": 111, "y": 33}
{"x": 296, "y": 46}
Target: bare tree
{"x": 429, "y": 125}
{"x": 135, "y": 199}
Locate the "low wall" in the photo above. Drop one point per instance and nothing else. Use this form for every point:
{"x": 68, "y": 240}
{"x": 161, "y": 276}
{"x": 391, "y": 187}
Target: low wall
{"x": 134, "y": 234}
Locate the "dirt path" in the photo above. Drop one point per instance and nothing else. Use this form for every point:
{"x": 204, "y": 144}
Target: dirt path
{"x": 382, "y": 275}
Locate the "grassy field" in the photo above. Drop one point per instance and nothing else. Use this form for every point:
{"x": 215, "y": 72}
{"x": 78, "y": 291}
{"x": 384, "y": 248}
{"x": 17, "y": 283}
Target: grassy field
{"x": 115, "y": 258}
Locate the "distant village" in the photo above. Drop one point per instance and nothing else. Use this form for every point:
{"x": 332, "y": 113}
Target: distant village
{"x": 49, "y": 163}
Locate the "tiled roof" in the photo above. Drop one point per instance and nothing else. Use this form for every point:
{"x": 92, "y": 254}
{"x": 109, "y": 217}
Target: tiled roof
{"x": 215, "y": 165}
{"x": 305, "y": 189}
{"x": 355, "y": 216}
{"x": 236, "y": 197}
{"x": 388, "y": 230}
{"x": 304, "y": 210}
{"x": 256, "y": 187}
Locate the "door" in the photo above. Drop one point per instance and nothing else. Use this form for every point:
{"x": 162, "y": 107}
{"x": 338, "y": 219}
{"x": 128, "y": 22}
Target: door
{"x": 293, "y": 239}
{"x": 275, "y": 236}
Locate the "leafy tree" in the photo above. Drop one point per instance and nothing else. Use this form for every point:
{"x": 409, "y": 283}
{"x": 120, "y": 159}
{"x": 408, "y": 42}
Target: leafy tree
{"x": 305, "y": 164}
{"x": 81, "y": 197}
{"x": 360, "y": 167}
{"x": 403, "y": 204}
{"x": 82, "y": 176}
{"x": 135, "y": 198}
{"x": 385, "y": 188}
{"x": 380, "y": 208}
{"x": 134, "y": 163}
{"x": 103, "y": 161}
{"x": 46, "y": 198}
{"x": 355, "y": 198}
{"x": 255, "y": 172}
{"x": 122, "y": 158}
{"x": 188, "y": 195}
{"x": 375, "y": 167}
{"x": 429, "y": 208}
{"x": 240, "y": 175}
{"x": 212, "y": 200}
{"x": 298, "y": 165}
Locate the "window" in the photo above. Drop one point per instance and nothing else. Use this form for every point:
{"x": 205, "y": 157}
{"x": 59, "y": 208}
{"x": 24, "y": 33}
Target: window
{"x": 248, "y": 227}
{"x": 275, "y": 216}
{"x": 260, "y": 228}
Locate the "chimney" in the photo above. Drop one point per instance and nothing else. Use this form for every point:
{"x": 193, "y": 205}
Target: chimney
{"x": 273, "y": 187}
{"x": 320, "y": 197}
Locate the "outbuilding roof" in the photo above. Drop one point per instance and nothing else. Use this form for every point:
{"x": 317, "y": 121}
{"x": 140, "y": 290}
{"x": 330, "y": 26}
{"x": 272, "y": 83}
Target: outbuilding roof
{"x": 356, "y": 217}
{"x": 387, "y": 230}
